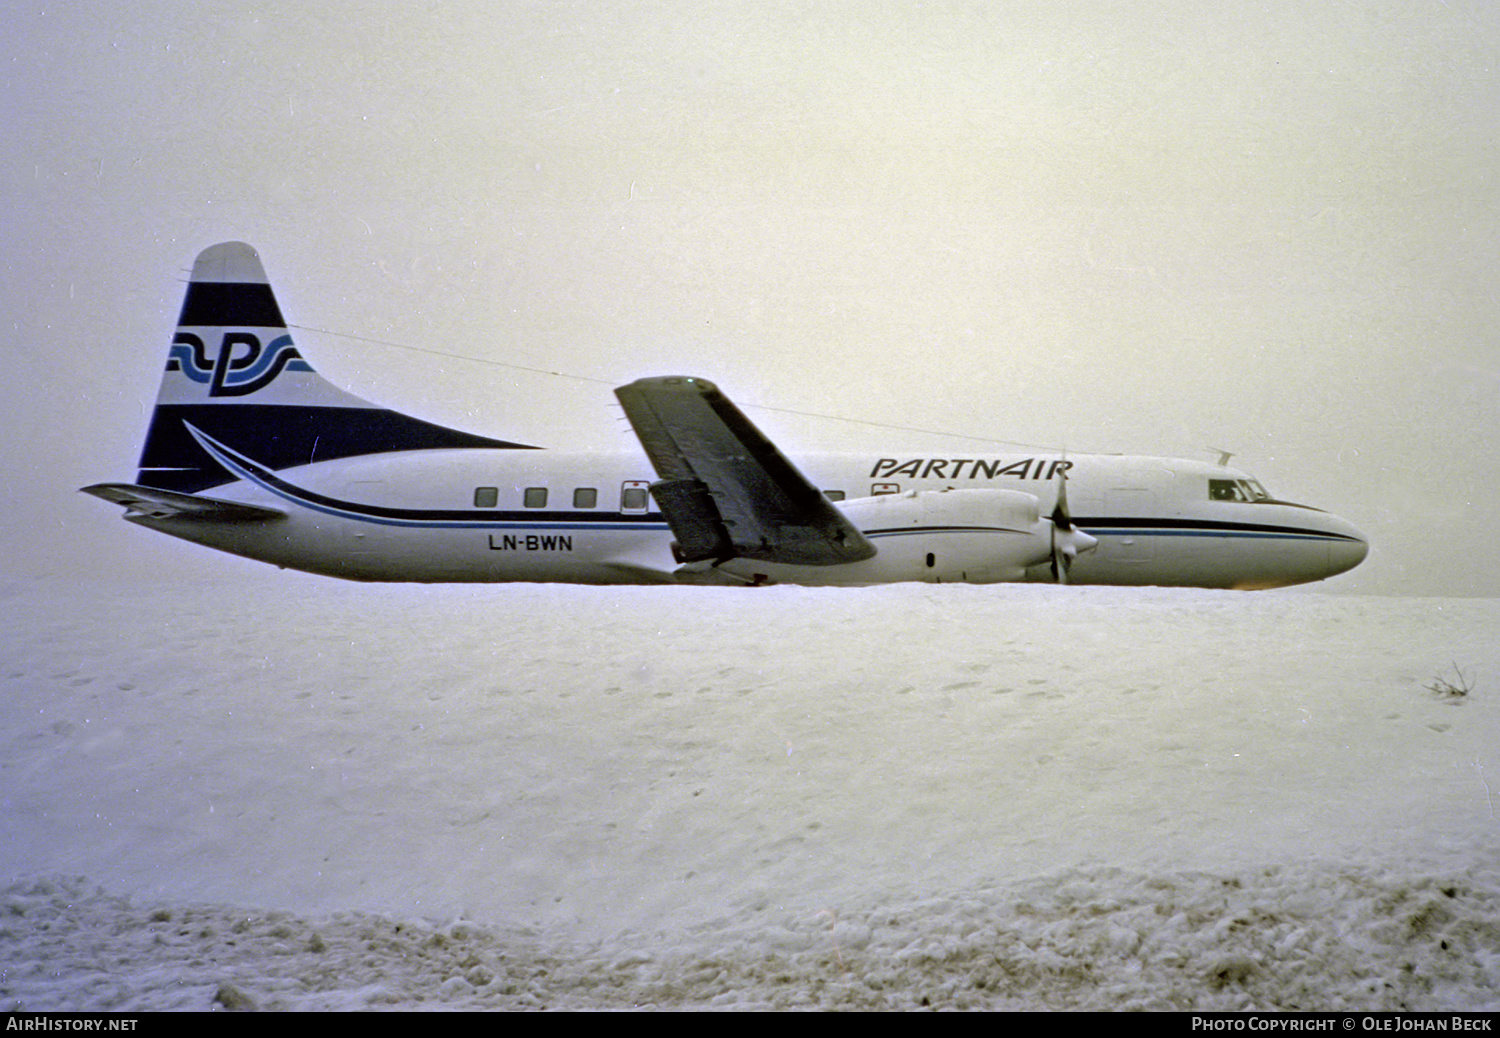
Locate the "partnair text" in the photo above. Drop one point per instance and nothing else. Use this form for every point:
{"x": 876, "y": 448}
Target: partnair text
{"x": 969, "y": 468}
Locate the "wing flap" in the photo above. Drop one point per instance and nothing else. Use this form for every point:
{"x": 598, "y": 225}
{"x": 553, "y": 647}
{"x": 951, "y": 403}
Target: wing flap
{"x": 725, "y": 489}
{"x": 150, "y": 503}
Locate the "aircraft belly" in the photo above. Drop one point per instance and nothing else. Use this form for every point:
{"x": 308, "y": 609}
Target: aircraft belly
{"x": 1204, "y": 559}
{"x": 358, "y": 550}
{"x": 501, "y": 553}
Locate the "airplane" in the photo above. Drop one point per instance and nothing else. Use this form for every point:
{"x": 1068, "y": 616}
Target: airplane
{"x": 250, "y": 451}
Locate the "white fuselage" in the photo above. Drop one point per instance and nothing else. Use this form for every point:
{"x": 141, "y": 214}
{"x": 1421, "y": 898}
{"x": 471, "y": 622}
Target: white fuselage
{"x": 251, "y": 451}
{"x": 541, "y": 515}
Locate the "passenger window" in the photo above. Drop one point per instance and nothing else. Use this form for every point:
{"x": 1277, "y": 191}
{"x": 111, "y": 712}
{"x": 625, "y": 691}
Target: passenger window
{"x": 535, "y": 497}
{"x": 486, "y": 497}
{"x": 633, "y": 499}
{"x": 585, "y": 497}
{"x": 877, "y": 489}
{"x": 834, "y": 495}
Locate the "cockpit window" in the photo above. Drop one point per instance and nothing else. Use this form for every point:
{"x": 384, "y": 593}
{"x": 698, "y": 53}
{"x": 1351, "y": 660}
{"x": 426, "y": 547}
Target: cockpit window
{"x": 1242, "y": 490}
{"x": 1226, "y": 490}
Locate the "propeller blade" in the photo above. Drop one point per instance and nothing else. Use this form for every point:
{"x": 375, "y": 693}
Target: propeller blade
{"x": 1068, "y": 542}
{"x": 1062, "y": 524}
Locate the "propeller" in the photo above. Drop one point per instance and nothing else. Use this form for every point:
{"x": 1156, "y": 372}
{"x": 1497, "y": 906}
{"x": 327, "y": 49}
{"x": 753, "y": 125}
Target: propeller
{"x": 1068, "y": 541}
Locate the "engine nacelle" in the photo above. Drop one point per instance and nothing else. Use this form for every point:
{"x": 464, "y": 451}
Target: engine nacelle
{"x": 937, "y": 536}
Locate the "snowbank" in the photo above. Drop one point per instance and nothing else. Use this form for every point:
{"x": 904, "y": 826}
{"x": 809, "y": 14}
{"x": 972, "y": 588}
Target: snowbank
{"x": 313, "y": 795}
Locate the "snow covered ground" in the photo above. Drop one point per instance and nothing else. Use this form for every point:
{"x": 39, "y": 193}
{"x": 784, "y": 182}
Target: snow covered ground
{"x": 288, "y": 793}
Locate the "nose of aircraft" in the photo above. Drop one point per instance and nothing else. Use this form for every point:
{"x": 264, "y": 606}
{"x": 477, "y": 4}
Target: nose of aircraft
{"x": 1349, "y": 550}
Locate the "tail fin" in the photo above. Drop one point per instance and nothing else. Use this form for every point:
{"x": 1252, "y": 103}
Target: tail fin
{"x": 234, "y": 373}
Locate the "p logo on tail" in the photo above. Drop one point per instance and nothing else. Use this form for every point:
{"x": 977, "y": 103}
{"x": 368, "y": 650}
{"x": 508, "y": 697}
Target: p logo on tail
{"x": 240, "y": 366}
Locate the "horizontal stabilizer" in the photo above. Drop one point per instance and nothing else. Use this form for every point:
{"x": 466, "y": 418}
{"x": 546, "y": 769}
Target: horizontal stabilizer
{"x": 151, "y": 503}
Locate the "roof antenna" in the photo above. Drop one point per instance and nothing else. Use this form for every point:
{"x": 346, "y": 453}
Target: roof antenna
{"x": 1224, "y": 456}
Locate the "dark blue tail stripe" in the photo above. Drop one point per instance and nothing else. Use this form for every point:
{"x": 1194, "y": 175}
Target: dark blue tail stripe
{"x": 280, "y": 436}
{"x": 232, "y": 304}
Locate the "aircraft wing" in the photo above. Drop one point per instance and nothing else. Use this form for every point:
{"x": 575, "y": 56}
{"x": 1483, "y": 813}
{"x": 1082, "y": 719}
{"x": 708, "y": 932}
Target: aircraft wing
{"x": 725, "y": 489}
{"x": 165, "y": 504}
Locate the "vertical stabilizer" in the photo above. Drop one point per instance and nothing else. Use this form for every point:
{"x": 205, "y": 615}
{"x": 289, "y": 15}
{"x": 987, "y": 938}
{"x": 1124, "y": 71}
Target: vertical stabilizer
{"x": 234, "y": 373}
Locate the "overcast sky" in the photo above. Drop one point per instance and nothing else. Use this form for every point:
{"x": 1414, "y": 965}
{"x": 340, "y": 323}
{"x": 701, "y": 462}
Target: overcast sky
{"x": 1148, "y": 228}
